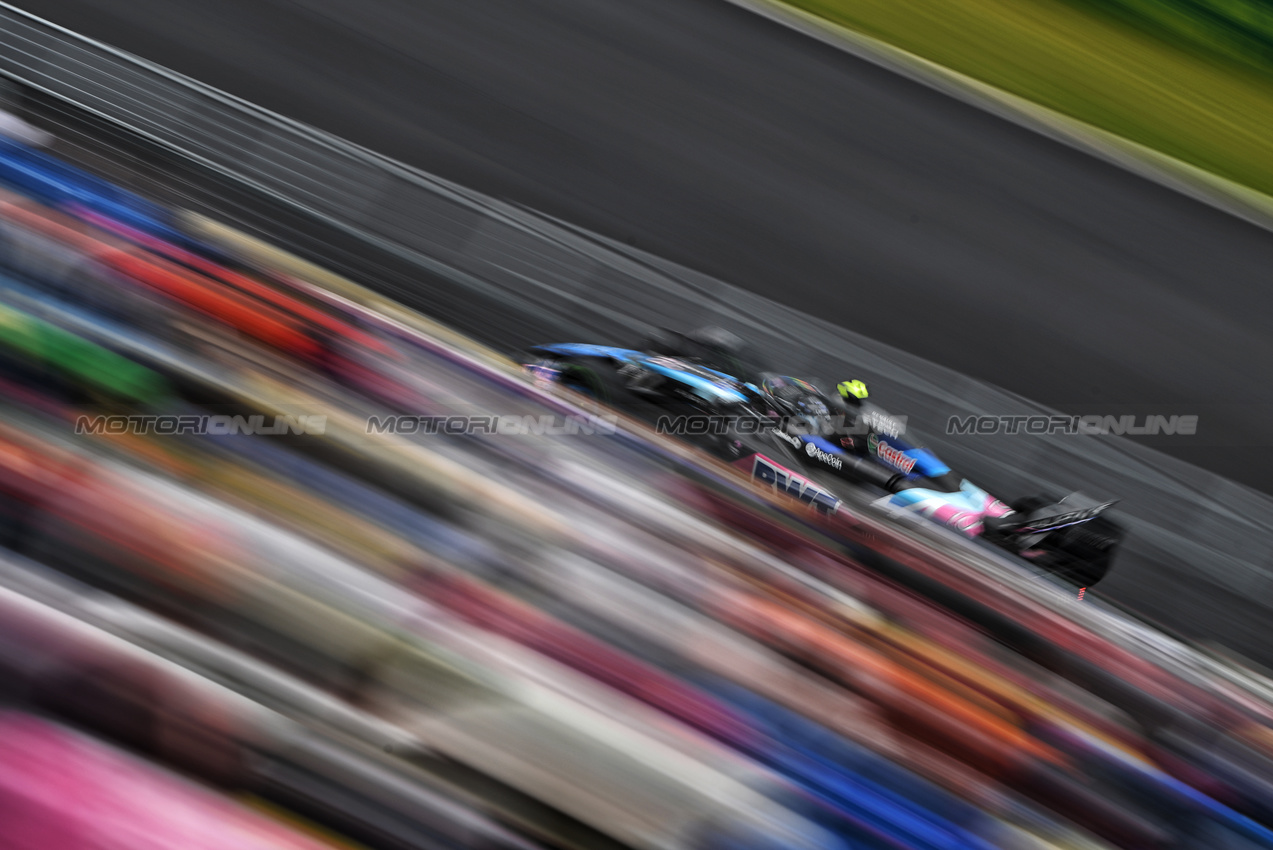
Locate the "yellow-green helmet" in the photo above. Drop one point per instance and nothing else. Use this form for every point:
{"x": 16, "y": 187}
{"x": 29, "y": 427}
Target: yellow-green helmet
{"x": 854, "y": 389}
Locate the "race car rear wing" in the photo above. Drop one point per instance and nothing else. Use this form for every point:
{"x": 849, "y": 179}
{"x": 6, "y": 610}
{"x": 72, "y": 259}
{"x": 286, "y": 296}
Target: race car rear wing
{"x": 1072, "y": 510}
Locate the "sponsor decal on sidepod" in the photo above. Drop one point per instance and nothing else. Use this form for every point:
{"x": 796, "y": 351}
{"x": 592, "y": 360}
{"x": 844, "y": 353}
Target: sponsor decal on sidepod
{"x": 826, "y": 457}
{"x": 809, "y": 448}
{"x": 784, "y": 480}
{"x": 890, "y": 455}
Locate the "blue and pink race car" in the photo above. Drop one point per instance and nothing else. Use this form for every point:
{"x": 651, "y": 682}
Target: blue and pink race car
{"x": 788, "y": 433}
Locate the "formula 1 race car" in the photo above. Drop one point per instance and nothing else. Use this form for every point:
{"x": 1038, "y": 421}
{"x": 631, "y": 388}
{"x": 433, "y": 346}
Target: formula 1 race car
{"x": 786, "y": 432}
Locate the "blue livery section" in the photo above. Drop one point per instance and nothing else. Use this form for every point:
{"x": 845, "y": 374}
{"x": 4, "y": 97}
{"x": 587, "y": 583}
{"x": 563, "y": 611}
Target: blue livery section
{"x": 970, "y": 498}
{"x": 580, "y": 349}
{"x": 707, "y": 383}
{"x": 927, "y": 464}
{"x": 911, "y": 461}
{"x": 711, "y": 385}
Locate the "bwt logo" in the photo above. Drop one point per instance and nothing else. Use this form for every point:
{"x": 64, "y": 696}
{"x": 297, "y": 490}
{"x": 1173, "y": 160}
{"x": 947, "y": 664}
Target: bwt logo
{"x": 1120, "y": 425}
{"x": 786, "y": 481}
{"x": 216, "y": 426}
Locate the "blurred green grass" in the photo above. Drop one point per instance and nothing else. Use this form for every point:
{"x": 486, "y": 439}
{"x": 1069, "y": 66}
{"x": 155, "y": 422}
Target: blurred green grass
{"x": 1190, "y": 78}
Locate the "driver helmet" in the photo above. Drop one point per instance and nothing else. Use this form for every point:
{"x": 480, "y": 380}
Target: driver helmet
{"x": 852, "y": 390}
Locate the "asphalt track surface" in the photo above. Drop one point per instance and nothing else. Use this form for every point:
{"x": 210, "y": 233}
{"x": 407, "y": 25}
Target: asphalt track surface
{"x": 709, "y": 136}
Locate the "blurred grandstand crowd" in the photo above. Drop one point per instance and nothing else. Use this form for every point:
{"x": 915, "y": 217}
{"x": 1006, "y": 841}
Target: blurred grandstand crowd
{"x": 365, "y": 639}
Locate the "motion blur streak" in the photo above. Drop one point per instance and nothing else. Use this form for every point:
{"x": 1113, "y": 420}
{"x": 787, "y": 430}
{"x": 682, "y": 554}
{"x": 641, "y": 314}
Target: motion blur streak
{"x": 351, "y": 637}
